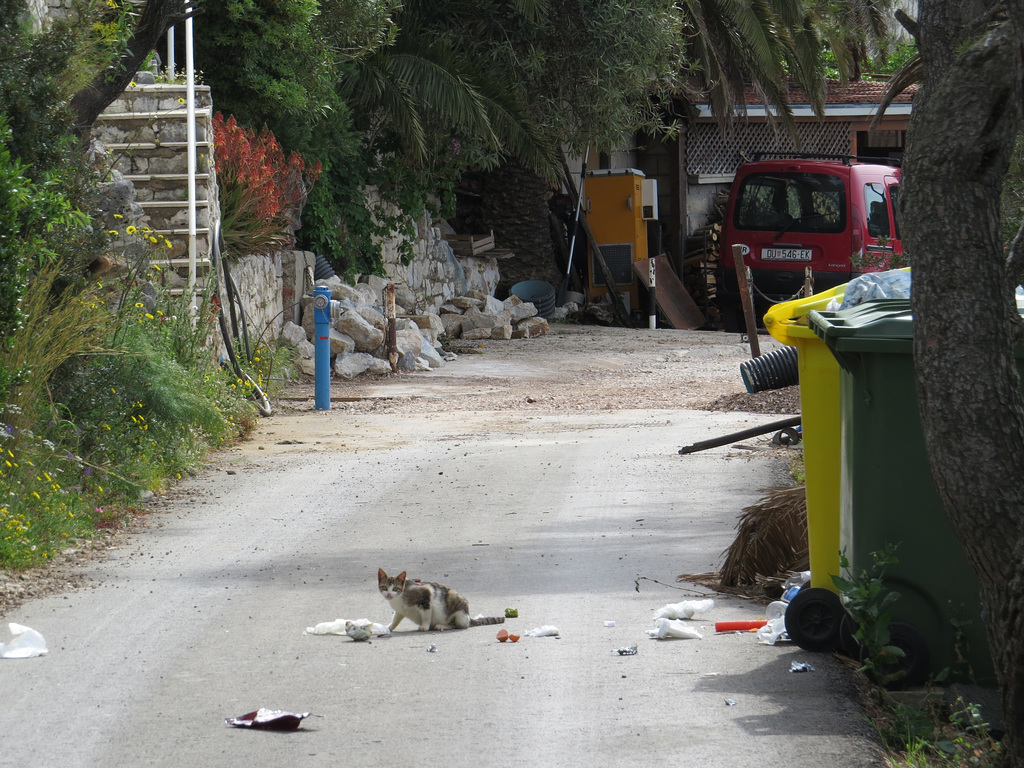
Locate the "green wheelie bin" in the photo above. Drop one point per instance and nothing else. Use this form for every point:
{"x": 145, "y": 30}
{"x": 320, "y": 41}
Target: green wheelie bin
{"x": 888, "y": 496}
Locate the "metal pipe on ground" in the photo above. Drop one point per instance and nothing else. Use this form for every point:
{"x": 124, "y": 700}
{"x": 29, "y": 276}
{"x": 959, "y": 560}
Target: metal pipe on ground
{"x": 715, "y": 442}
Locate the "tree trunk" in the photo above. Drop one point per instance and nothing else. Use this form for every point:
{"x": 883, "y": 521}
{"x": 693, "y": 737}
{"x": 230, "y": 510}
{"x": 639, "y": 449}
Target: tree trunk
{"x": 961, "y": 134}
{"x": 515, "y": 206}
{"x": 156, "y": 18}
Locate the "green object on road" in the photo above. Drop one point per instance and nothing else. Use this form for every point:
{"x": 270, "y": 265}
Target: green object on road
{"x": 511, "y": 613}
{"x": 888, "y": 495}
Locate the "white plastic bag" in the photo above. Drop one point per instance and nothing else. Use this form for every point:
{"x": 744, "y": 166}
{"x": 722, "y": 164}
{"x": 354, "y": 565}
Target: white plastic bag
{"x": 666, "y": 629}
{"x": 27, "y": 643}
{"x": 338, "y": 627}
{"x": 685, "y": 610}
{"x": 894, "y": 284}
{"x": 773, "y": 631}
{"x": 546, "y": 631}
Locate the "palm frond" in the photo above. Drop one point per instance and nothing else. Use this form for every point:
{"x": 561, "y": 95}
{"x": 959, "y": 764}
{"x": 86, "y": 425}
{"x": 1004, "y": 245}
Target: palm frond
{"x": 907, "y": 75}
{"x": 771, "y": 538}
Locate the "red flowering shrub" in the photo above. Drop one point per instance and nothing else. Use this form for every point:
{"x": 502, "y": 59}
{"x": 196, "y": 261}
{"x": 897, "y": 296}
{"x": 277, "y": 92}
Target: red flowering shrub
{"x": 261, "y": 190}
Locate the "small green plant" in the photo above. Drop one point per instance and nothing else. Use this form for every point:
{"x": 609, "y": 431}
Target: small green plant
{"x": 936, "y": 735}
{"x": 867, "y": 601}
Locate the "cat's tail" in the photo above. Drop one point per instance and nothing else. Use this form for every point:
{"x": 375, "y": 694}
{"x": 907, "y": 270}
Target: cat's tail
{"x": 486, "y": 620}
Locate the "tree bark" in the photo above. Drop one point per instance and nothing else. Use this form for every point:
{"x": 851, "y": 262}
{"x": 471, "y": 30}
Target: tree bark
{"x": 156, "y": 18}
{"x": 965, "y": 119}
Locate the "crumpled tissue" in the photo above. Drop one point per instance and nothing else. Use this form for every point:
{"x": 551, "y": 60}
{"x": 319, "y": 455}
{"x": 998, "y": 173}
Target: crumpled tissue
{"x": 666, "y": 629}
{"x": 27, "y": 643}
{"x": 773, "y": 631}
{"x": 361, "y": 629}
{"x": 685, "y": 610}
{"x": 546, "y": 631}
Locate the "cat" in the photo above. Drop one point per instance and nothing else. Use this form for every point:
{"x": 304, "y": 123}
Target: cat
{"x": 428, "y": 604}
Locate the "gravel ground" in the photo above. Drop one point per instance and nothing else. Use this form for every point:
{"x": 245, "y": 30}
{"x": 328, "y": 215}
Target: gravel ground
{"x": 574, "y": 368}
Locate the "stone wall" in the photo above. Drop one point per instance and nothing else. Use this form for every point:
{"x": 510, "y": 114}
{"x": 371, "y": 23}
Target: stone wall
{"x": 435, "y": 275}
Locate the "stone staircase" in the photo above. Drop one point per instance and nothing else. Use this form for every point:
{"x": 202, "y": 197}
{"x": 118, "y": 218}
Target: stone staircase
{"x": 145, "y": 131}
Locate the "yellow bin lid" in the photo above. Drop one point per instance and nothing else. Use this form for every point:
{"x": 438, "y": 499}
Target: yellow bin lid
{"x": 788, "y": 321}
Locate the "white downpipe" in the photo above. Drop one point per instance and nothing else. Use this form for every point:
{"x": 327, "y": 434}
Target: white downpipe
{"x": 170, "y": 54}
{"x": 191, "y": 139}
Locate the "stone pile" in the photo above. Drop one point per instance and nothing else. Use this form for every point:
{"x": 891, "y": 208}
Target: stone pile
{"x": 359, "y": 326}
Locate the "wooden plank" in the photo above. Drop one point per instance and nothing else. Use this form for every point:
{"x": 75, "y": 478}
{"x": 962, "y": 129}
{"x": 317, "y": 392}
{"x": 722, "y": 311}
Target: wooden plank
{"x": 672, "y": 297}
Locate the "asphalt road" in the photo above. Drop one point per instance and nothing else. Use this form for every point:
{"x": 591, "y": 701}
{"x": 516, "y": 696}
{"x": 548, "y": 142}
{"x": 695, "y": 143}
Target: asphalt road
{"x": 574, "y": 520}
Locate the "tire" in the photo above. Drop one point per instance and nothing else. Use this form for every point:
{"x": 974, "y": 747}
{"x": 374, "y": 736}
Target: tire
{"x": 848, "y": 644}
{"x": 813, "y": 618}
{"x": 914, "y": 667}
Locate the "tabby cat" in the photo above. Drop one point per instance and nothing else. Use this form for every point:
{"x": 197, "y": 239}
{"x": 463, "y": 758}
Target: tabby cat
{"x": 428, "y": 604}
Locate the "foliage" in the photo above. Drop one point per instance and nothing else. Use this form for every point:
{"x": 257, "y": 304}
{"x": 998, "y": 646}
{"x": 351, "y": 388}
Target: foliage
{"x": 264, "y": 59}
{"x": 123, "y": 394}
{"x": 30, "y": 213}
{"x": 261, "y": 190}
{"x": 577, "y": 73}
{"x": 867, "y": 602}
{"x": 935, "y": 735}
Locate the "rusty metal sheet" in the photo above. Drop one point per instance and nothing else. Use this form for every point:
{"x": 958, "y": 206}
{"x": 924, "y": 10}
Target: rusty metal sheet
{"x": 673, "y": 299}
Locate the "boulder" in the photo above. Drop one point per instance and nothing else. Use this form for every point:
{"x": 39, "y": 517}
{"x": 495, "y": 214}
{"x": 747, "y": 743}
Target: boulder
{"x": 530, "y": 328}
{"x": 373, "y": 317}
{"x": 518, "y": 309}
{"x": 492, "y": 306}
{"x": 350, "y": 365}
{"x": 452, "y": 325}
{"x": 466, "y": 302}
{"x": 294, "y": 334}
{"x": 306, "y": 357}
{"x": 353, "y": 324}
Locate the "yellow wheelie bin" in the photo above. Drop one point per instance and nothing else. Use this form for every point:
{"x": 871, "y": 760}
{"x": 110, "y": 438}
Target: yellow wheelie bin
{"x": 819, "y": 420}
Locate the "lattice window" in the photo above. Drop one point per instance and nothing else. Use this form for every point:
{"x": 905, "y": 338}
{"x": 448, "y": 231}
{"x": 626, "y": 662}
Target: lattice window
{"x": 712, "y": 151}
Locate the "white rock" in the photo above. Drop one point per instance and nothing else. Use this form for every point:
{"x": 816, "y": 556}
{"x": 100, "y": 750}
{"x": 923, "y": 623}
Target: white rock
{"x": 294, "y": 333}
{"x": 353, "y": 324}
{"x": 348, "y": 366}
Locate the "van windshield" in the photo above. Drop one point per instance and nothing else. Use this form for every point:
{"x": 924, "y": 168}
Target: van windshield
{"x": 791, "y": 202}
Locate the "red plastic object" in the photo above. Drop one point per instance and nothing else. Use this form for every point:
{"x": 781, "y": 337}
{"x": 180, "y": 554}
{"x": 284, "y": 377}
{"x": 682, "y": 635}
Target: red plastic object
{"x": 739, "y": 626}
{"x": 269, "y": 720}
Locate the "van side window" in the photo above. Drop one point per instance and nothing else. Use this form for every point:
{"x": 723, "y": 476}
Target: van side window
{"x": 877, "y": 210}
{"x": 794, "y": 202}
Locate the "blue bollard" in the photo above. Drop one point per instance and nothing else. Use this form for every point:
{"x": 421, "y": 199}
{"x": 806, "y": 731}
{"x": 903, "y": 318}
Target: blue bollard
{"x": 322, "y": 344}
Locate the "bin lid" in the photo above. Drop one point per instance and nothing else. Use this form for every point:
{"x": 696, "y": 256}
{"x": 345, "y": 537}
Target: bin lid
{"x": 880, "y": 325}
{"x": 787, "y": 321}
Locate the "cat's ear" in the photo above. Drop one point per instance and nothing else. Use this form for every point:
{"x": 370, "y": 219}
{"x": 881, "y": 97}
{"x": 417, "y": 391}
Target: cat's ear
{"x": 400, "y": 577}
{"x": 381, "y": 575}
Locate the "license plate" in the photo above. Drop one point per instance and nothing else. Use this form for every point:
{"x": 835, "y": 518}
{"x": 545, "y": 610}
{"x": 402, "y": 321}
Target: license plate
{"x": 785, "y": 254}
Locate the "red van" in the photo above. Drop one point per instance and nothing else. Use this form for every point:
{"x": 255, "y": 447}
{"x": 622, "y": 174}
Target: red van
{"x": 836, "y": 215}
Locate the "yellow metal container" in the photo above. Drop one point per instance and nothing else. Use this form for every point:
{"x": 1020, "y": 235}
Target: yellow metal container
{"x": 819, "y": 418}
{"x": 614, "y": 205}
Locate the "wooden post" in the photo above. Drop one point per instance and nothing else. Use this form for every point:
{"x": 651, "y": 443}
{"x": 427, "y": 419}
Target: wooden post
{"x": 747, "y": 298}
{"x": 609, "y": 279}
{"x": 392, "y": 340}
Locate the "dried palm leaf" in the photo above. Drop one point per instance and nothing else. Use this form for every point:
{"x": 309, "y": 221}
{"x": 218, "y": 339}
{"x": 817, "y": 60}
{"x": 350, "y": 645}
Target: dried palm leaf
{"x": 771, "y": 538}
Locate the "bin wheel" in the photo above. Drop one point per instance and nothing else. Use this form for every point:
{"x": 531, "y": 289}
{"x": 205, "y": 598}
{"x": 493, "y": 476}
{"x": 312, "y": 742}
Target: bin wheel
{"x": 813, "y": 617}
{"x": 913, "y": 668}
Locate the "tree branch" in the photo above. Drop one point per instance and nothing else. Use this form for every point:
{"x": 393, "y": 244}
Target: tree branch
{"x": 907, "y": 23}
